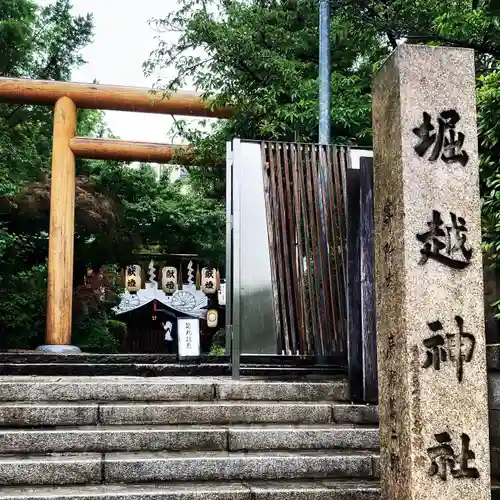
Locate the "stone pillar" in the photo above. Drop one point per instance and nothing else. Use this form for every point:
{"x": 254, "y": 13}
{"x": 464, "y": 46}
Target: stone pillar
{"x": 429, "y": 278}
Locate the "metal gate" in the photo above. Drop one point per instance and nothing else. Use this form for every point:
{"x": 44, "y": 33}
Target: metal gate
{"x": 300, "y": 256}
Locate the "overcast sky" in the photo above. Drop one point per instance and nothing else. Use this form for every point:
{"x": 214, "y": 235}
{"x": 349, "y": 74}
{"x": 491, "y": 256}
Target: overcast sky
{"x": 122, "y": 42}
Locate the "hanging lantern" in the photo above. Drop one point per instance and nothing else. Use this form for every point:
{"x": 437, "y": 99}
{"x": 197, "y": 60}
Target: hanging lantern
{"x": 208, "y": 280}
{"x": 133, "y": 278}
{"x": 212, "y": 318}
{"x": 169, "y": 279}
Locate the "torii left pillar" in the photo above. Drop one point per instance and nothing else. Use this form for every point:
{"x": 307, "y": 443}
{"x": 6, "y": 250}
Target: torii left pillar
{"x": 62, "y": 232}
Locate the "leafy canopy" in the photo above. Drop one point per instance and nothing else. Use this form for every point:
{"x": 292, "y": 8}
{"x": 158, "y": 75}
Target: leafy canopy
{"x": 261, "y": 58}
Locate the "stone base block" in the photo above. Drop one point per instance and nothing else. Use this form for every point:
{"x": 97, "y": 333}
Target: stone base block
{"x": 273, "y": 437}
{"x": 223, "y": 466}
{"x": 50, "y": 470}
{"x": 216, "y": 412}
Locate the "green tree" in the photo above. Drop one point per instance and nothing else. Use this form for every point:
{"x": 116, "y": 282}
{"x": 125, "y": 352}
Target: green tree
{"x": 171, "y": 216}
{"x": 261, "y": 58}
{"x": 42, "y": 43}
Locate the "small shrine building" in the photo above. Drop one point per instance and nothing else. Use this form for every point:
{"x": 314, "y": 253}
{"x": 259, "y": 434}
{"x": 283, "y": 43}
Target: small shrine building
{"x": 151, "y": 308}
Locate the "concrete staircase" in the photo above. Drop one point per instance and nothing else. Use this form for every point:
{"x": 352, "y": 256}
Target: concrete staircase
{"x": 110, "y": 438}
{"x": 133, "y": 438}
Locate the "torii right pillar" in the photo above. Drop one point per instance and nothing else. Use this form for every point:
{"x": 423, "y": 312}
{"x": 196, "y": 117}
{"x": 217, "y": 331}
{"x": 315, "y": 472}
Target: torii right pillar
{"x": 433, "y": 396}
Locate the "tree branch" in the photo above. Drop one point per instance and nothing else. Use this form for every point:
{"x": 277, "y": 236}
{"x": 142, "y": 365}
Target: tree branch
{"x": 392, "y": 39}
{"x": 483, "y": 49}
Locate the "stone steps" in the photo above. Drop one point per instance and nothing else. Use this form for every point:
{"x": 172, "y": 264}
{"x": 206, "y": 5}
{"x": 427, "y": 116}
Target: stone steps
{"x": 36, "y": 389}
{"x": 155, "y": 365}
{"x": 252, "y": 490}
{"x": 184, "y": 438}
{"x": 36, "y": 357}
{"x": 68, "y": 431}
{"x": 105, "y": 439}
{"x": 160, "y": 370}
{"x": 80, "y": 413}
{"x": 99, "y": 438}
{"x": 95, "y": 468}
{"x": 279, "y": 490}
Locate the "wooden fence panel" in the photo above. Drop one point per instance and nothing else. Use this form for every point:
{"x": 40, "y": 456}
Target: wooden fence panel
{"x": 306, "y": 226}
{"x": 367, "y": 277}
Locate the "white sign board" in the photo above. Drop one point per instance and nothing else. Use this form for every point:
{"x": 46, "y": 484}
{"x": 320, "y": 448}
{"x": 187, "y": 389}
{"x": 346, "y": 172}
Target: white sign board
{"x": 222, "y": 294}
{"x": 188, "y": 337}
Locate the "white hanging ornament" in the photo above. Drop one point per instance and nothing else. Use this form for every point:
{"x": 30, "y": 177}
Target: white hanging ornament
{"x": 169, "y": 279}
{"x": 208, "y": 280}
{"x": 152, "y": 283}
{"x": 190, "y": 273}
{"x": 133, "y": 279}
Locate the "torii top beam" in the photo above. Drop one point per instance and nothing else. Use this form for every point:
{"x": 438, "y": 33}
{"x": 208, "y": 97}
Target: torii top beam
{"x": 106, "y": 97}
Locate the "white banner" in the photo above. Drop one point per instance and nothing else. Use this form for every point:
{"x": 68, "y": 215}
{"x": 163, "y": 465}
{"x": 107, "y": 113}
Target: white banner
{"x": 188, "y": 337}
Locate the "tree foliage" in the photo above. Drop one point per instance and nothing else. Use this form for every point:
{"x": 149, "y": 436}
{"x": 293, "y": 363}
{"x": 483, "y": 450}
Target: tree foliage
{"x": 258, "y": 56}
{"x": 171, "y": 216}
{"x": 488, "y": 107}
{"x": 119, "y": 210}
{"x": 261, "y": 58}
{"x": 42, "y": 43}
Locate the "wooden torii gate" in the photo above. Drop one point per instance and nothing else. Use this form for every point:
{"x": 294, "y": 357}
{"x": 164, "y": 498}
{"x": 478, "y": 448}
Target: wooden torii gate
{"x": 67, "y": 97}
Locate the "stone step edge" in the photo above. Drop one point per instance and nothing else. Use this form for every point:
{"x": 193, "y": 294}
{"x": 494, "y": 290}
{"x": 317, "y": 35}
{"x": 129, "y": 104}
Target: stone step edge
{"x": 246, "y": 490}
{"x": 338, "y": 407}
{"x": 73, "y": 404}
{"x": 13, "y": 389}
{"x": 177, "y": 455}
{"x": 249, "y": 490}
{"x": 145, "y": 428}
{"x": 37, "y": 415}
{"x": 327, "y": 369}
{"x": 166, "y": 403}
{"x": 107, "y": 439}
{"x": 98, "y": 468}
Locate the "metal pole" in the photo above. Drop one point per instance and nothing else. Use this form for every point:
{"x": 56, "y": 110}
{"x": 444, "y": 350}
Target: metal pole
{"x": 234, "y": 167}
{"x": 324, "y": 72}
{"x": 229, "y": 248}
{"x": 324, "y": 132}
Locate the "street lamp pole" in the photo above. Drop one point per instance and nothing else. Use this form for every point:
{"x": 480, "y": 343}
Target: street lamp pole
{"x": 324, "y": 72}
{"x": 324, "y": 140}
